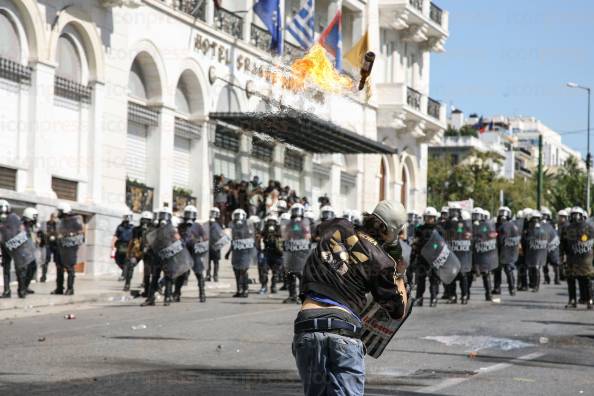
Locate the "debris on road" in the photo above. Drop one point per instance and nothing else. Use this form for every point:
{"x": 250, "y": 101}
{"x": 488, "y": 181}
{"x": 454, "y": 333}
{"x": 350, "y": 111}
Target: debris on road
{"x": 139, "y": 327}
{"x": 70, "y": 316}
{"x": 41, "y": 339}
{"x": 543, "y": 340}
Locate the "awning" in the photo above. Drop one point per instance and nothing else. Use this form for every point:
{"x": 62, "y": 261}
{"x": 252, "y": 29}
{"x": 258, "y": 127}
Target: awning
{"x": 306, "y": 131}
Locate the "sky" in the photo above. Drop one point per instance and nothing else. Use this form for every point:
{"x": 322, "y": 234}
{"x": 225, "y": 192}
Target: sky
{"x": 514, "y": 57}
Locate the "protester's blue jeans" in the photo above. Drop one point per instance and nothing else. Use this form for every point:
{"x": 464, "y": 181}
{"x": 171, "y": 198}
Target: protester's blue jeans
{"x": 330, "y": 364}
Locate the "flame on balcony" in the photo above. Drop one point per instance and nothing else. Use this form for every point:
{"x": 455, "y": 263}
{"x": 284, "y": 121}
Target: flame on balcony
{"x": 313, "y": 70}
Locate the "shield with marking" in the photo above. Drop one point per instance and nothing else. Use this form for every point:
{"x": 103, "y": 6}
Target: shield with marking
{"x": 441, "y": 258}
{"x": 554, "y": 244}
{"x": 509, "y": 237}
{"x": 485, "y": 247}
{"x": 459, "y": 239}
{"x": 16, "y": 241}
{"x": 70, "y": 238}
{"x": 536, "y": 245}
{"x": 243, "y": 245}
{"x": 296, "y": 235}
{"x": 169, "y": 249}
{"x": 217, "y": 237}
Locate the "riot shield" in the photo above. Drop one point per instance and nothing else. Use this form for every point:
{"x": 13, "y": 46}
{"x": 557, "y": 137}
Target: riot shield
{"x": 443, "y": 261}
{"x": 217, "y": 237}
{"x": 459, "y": 239}
{"x": 14, "y": 238}
{"x": 485, "y": 247}
{"x": 537, "y": 243}
{"x": 554, "y": 244}
{"x": 169, "y": 250}
{"x": 243, "y": 245}
{"x": 296, "y": 235}
{"x": 509, "y": 242}
{"x": 70, "y": 238}
{"x": 579, "y": 239}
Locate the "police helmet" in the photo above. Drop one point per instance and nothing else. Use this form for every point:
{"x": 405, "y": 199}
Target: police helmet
{"x": 285, "y": 216}
{"x": 444, "y": 210}
{"x": 357, "y": 218}
{"x": 5, "y": 208}
{"x": 64, "y": 209}
{"x": 430, "y": 212}
{"x": 30, "y": 214}
{"x": 347, "y": 214}
{"x": 215, "y": 213}
{"x": 238, "y": 216}
{"x": 190, "y": 213}
{"x": 297, "y": 210}
{"x": 272, "y": 218}
{"x": 486, "y": 214}
{"x": 546, "y": 213}
{"x": 504, "y": 212}
{"x": 327, "y": 213}
{"x": 281, "y": 206}
{"x": 309, "y": 214}
{"x": 477, "y": 214}
{"x": 146, "y": 217}
{"x": 563, "y": 213}
{"x": 164, "y": 215}
{"x": 455, "y": 211}
{"x": 535, "y": 215}
{"x": 577, "y": 214}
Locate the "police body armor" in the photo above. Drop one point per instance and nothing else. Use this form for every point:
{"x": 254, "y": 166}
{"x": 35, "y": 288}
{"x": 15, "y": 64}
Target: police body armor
{"x": 16, "y": 241}
{"x": 70, "y": 238}
{"x": 124, "y": 239}
{"x": 443, "y": 261}
{"x": 243, "y": 245}
{"x": 578, "y": 241}
{"x": 170, "y": 252}
{"x": 554, "y": 243}
{"x": 459, "y": 239}
{"x": 296, "y": 236}
{"x": 509, "y": 236}
{"x": 485, "y": 247}
{"x": 536, "y": 246}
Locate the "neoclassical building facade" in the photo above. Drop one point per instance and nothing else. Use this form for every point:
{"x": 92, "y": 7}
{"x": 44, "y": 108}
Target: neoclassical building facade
{"x": 111, "y": 104}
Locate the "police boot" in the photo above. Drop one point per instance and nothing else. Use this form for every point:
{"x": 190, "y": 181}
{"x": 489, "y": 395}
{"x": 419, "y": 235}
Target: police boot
{"x": 419, "y": 301}
{"x": 511, "y": 281}
{"x": 22, "y": 284}
{"x": 433, "y": 302}
{"x": 43, "y": 273}
{"x": 463, "y": 300}
{"x": 453, "y": 299}
{"x": 168, "y": 287}
{"x": 70, "y": 284}
{"x": 201, "y": 291}
{"x": 6, "y": 293}
{"x": 150, "y": 302}
{"x": 487, "y": 285}
{"x": 215, "y": 275}
{"x": 273, "y": 285}
{"x": 571, "y": 290}
{"x": 556, "y": 280}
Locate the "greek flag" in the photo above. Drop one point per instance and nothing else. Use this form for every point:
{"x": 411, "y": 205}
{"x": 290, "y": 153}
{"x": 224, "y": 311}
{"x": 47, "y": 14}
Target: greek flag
{"x": 302, "y": 25}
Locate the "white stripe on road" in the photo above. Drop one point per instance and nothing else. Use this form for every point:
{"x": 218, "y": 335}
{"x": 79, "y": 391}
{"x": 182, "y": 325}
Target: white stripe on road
{"x": 483, "y": 370}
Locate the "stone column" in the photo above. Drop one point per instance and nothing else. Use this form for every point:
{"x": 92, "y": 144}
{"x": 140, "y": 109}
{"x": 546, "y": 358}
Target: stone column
{"x": 278, "y": 162}
{"x": 244, "y": 156}
{"x": 95, "y": 145}
{"x": 161, "y": 158}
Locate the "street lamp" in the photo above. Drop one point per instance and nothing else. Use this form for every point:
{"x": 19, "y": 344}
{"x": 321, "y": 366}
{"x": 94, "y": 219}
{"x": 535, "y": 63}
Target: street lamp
{"x": 588, "y": 156}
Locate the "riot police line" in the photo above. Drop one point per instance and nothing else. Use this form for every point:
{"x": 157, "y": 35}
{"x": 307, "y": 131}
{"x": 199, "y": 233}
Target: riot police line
{"x": 456, "y": 247}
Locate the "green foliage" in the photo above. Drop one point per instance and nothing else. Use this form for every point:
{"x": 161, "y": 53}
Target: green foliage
{"x": 476, "y": 180}
{"x": 466, "y": 130}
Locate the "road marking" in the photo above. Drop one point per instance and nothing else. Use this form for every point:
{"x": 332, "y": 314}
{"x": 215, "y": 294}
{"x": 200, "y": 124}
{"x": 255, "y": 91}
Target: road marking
{"x": 483, "y": 370}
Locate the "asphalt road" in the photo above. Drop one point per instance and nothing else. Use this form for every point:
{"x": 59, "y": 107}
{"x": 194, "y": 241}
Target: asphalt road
{"x": 527, "y": 345}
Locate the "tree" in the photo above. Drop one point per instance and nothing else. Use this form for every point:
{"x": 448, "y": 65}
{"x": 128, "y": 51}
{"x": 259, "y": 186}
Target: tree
{"x": 567, "y": 187}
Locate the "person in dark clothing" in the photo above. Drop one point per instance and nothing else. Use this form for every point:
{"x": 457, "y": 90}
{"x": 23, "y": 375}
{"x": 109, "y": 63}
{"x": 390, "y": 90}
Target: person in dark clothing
{"x": 196, "y": 240}
{"x": 348, "y": 264}
{"x": 119, "y": 245}
{"x": 273, "y": 253}
{"x": 217, "y": 239}
{"x": 29, "y": 220}
{"x": 138, "y": 249}
{"x": 51, "y": 245}
{"x": 422, "y": 267}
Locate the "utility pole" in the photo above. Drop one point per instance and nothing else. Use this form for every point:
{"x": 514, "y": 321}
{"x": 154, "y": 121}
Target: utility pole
{"x": 539, "y": 175}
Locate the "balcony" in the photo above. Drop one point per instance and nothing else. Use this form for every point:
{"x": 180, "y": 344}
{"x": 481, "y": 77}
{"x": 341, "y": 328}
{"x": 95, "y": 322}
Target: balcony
{"x": 228, "y": 22}
{"x": 293, "y": 51}
{"x": 195, "y": 8}
{"x": 404, "y": 108}
{"x": 260, "y": 38}
{"x": 419, "y": 21}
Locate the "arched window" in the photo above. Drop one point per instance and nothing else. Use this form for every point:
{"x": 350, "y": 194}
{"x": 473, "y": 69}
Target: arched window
{"x": 10, "y": 47}
{"x": 69, "y": 60}
{"x": 182, "y": 103}
{"x": 404, "y": 188}
{"x": 382, "y": 192}
{"x": 136, "y": 82}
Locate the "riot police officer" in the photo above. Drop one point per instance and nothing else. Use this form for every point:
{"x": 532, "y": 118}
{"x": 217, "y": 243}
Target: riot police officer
{"x": 138, "y": 250}
{"x": 70, "y": 238}
{"x": 577, "y": 242}
{"x": 119, "y": 246}
{"x": 216, "y": 232}
{"x": 423, "y": 268}
{"x": 196, "y": 240}
{"x": 51, "y": 244}
{"x": 458, "y": 234}
{"x": 553, "y": 258}
{"x": 485, "y": 258}
{"x": 271, "y": 239}
{"x": 562, "y": 221}
{"x": 242, "y": 249}
{"x": 535, "y": 245}
{"x": 297, "y": 244}
{"x": 521, "y": 263}
{"x": 29, "y": 219}
{"x": 508, "y": 246}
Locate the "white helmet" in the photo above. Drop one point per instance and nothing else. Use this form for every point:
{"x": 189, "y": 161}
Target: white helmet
{"x": 30, "y": 214}
{"x": 465, "y": 215}
{"x": 297, "y": 210}
{"x": 238, "y": 216}
{"x": 285, "y": 216}
{"x": 64, "y": 208}
{"x": 430, "y": 211}
{"x": 563, "y": 213}
{"x": 528, "y": 214}
{"x": 327, "y": 213}
{"x": 486, "y": 214}
{"x": 4, "y": 207}
{"x": 477, "y": 214}
{"x": 445, "y": 209}
{"x": 546, "y": 212}
{"x": 309, "y": 214}
{"x": 190, "y": 213}
{"x": 165, "y": 215}
{"x": 504, "y": 212}
{"x": 535, "y": 214}
{"x": 272, "y": 217}
{"x": 146, "y": 217}
{"x": 281, "y": 205}
{"x": 357, "y": 218}
{"x": 215, "y": 213}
